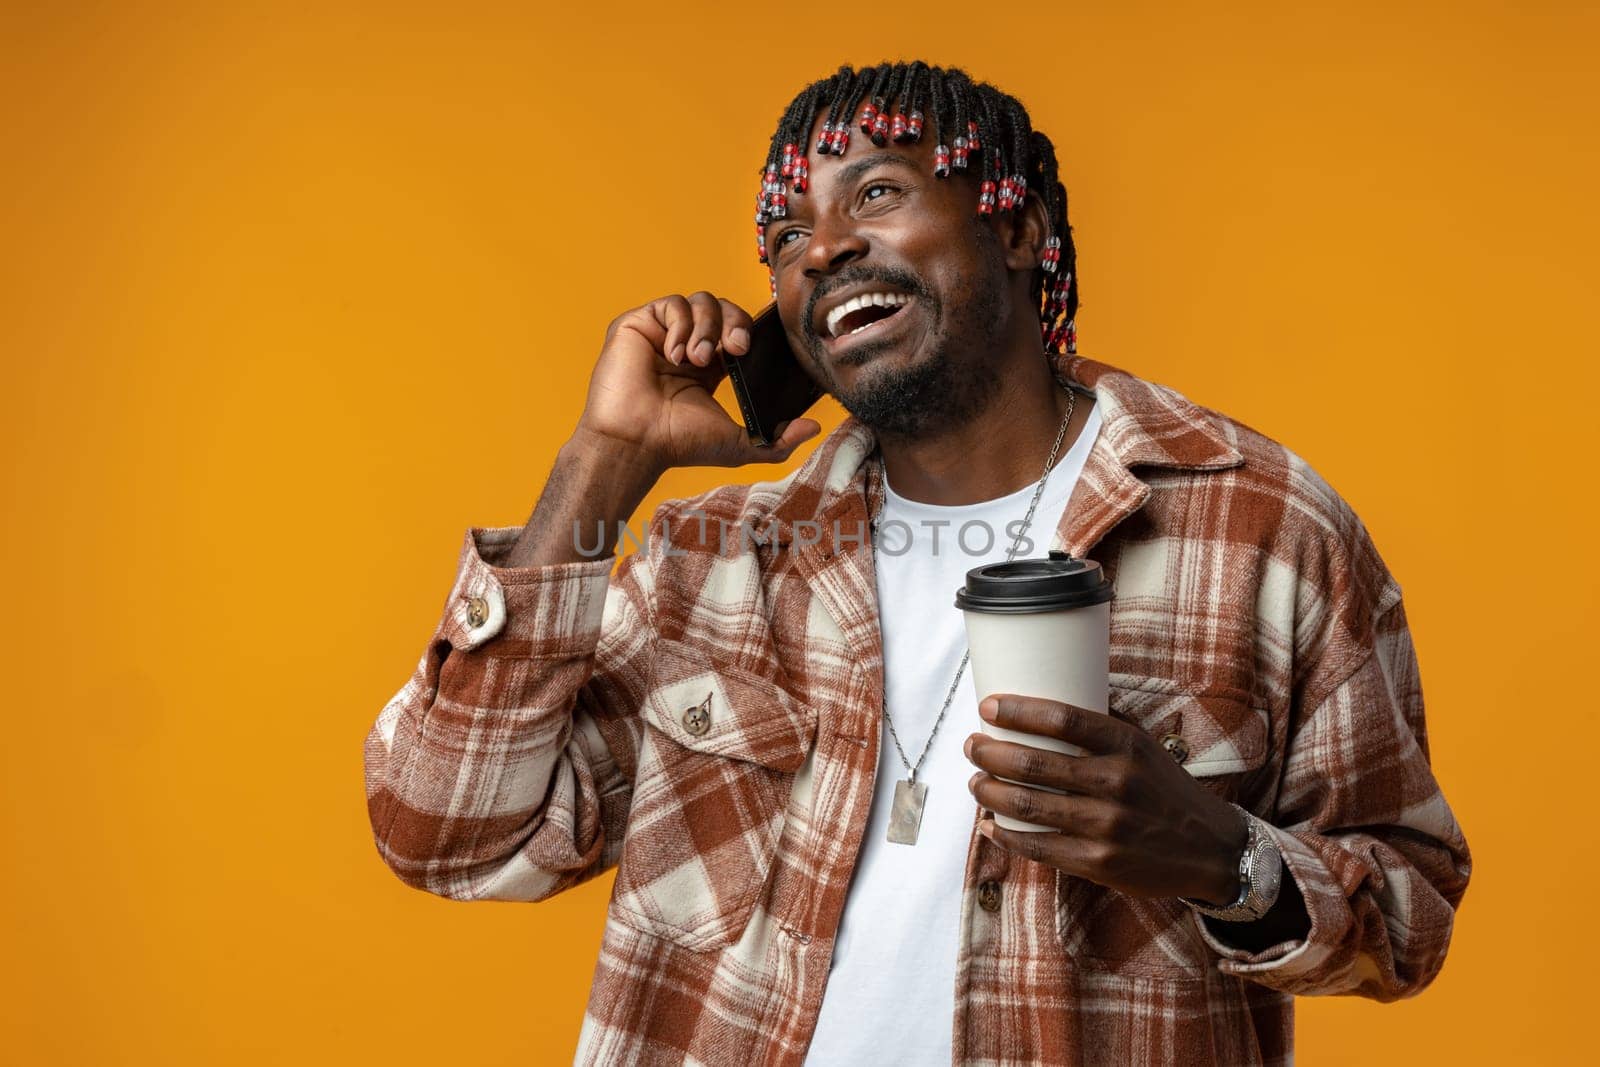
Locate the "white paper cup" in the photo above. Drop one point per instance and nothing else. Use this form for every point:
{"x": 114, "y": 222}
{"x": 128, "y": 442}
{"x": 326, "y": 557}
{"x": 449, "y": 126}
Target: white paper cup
{"x": 1039, "y": 628}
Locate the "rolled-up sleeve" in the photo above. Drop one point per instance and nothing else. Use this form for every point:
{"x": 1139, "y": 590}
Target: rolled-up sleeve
{"x": 1366, "y": 835}
{"x": 503, "y": 768}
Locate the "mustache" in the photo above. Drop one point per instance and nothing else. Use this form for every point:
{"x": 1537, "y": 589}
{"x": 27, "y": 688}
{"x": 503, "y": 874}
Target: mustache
{"x": 898, "y": 277}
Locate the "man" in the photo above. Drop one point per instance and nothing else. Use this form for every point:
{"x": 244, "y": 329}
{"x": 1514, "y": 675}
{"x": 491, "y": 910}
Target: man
{"x": 738, "y": 720}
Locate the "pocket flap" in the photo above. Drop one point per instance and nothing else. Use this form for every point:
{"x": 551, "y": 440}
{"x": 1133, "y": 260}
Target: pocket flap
{"x": 730, "y": 712}
{"x": 1221, "y": 728}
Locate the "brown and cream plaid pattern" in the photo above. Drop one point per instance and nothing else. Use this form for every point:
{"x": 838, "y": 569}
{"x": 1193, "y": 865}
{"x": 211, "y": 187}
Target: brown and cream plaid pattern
{"x": 706, "y": 722}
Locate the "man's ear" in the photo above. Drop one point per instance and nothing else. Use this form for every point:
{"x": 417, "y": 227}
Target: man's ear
{"x": 1023, "y": 233}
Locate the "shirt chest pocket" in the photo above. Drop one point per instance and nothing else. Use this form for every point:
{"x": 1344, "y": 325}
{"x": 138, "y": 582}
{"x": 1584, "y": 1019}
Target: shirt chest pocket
{"x": 1221, "y": 737}
{"x": 722, "y": 746}
{"x": 1218, "y": 734}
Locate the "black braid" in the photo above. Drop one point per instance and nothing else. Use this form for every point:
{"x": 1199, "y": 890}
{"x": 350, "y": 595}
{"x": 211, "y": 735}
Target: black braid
{"x": 799, "y": 124}
{"x": 950, "y": 99}
{"x": 914, "y": 85}
{"x": 883, "y": 85}
{"x": 957, "y": 91}
{"x": 1020, "y": 128}
{"x": 1054, "y": 193}
{"x": 989, "y": 133}
{"x": 842, "y": 82}
{"x": 883, "y": 90}
{"x": 804, "y": 104}
{"x": 899, "y": 80}
{"x": 858, "y": 98}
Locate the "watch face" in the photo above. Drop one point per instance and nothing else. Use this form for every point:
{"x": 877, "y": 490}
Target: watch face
{"x": 1266, "y": 871}
{"x": 1260, "y": 875}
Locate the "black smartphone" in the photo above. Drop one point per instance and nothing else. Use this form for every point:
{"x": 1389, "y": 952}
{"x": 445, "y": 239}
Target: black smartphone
{"x": 771, "y": 385}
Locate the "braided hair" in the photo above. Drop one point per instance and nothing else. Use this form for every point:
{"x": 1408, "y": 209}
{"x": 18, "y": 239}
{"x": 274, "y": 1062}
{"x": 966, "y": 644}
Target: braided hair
{"x": 888, "y": 101}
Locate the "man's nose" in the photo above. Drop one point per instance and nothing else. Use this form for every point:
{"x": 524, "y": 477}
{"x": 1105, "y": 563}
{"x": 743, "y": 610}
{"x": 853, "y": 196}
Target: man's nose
{"x": 833, "y": 245}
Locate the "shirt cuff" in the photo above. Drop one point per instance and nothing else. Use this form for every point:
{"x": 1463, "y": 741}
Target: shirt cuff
{"x": 1303, "y": 865}
{"x": 553, "y": 609}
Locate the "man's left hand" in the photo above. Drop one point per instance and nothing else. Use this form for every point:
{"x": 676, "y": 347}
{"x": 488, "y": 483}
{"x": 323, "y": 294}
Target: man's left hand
{"x": 1131, "y": 819}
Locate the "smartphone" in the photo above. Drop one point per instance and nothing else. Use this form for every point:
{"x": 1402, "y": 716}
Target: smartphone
{"x": 771, "y": 385}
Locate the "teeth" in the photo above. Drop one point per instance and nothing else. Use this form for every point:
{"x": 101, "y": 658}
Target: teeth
{"x": 860, "y": 301}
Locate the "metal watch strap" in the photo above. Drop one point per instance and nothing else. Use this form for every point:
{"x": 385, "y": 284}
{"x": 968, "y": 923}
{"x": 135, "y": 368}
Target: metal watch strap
{"x": 1260, "y": 876}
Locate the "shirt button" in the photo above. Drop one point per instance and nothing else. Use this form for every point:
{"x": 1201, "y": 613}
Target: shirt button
{"x": 477, "y": 611}
{"x": 1176, "y": 747}
{"x": 989, "y": 896}
{"x": 697, "y": 718}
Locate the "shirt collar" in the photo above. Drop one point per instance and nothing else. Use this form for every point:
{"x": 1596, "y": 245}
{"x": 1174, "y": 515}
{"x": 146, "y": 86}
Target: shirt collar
{"x": 1143, "y": 423}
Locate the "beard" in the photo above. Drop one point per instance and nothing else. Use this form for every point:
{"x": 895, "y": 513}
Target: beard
{"x": 954, "y": 382}
{"x": 913, "y": 400}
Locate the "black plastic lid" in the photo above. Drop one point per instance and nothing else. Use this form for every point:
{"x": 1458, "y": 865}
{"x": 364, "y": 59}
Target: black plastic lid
{"x": 1029, "y": 585}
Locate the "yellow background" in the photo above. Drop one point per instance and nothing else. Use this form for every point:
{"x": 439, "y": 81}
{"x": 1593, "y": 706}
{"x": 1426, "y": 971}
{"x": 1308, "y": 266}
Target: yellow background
{"x": 291, "y": 295}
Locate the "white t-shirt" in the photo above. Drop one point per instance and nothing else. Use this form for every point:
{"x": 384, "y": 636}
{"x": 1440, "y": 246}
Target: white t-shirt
{"x": 890, "y": 996}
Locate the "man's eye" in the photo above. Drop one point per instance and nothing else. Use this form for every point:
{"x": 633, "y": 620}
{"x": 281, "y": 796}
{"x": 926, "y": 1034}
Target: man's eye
{"x": 783, "y": 238}
{"x": 867, "y": 192}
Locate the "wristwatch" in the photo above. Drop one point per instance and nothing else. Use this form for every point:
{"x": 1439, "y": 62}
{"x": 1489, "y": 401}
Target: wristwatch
{"x": 1260, "y": 876}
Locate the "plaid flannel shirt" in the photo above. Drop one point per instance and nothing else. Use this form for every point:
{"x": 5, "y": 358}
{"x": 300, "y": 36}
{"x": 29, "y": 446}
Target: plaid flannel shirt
{"x": 706, "y": 722}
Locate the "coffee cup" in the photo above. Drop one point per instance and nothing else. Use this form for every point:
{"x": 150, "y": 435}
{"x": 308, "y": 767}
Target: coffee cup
{"x": 1039, "y": 628}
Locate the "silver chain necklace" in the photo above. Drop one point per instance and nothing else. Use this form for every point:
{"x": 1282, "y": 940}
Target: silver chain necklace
{"x": 910, "y": 795}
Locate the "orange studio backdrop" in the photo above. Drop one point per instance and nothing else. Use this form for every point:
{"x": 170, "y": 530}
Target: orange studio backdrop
{"x": 293, "y": 294}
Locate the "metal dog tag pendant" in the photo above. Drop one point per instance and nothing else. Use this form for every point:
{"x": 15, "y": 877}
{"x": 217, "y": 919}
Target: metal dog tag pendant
{"x": 905, "y": 818}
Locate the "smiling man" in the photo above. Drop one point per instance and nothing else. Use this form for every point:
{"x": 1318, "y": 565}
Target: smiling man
{"x": 741, "y": 732}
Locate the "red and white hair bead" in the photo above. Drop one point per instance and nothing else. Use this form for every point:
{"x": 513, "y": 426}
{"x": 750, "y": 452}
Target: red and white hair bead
{"x": 869, "y": 117}
{"x": 1052, "y": 254}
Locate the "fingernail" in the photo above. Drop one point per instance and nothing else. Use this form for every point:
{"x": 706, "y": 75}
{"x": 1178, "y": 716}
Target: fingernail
{"x": 972, "y": 782}
{"x": 989, "y": 709}
{"x": 966, "y": 749}
{"x": 986, "y": 828}
{"x": 739, "y": 336}
{"x": 704, "y": 349}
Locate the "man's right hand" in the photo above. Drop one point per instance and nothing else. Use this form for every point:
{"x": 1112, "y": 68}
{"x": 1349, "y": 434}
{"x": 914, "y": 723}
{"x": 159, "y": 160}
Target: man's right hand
{"x": 652, "y": 387}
